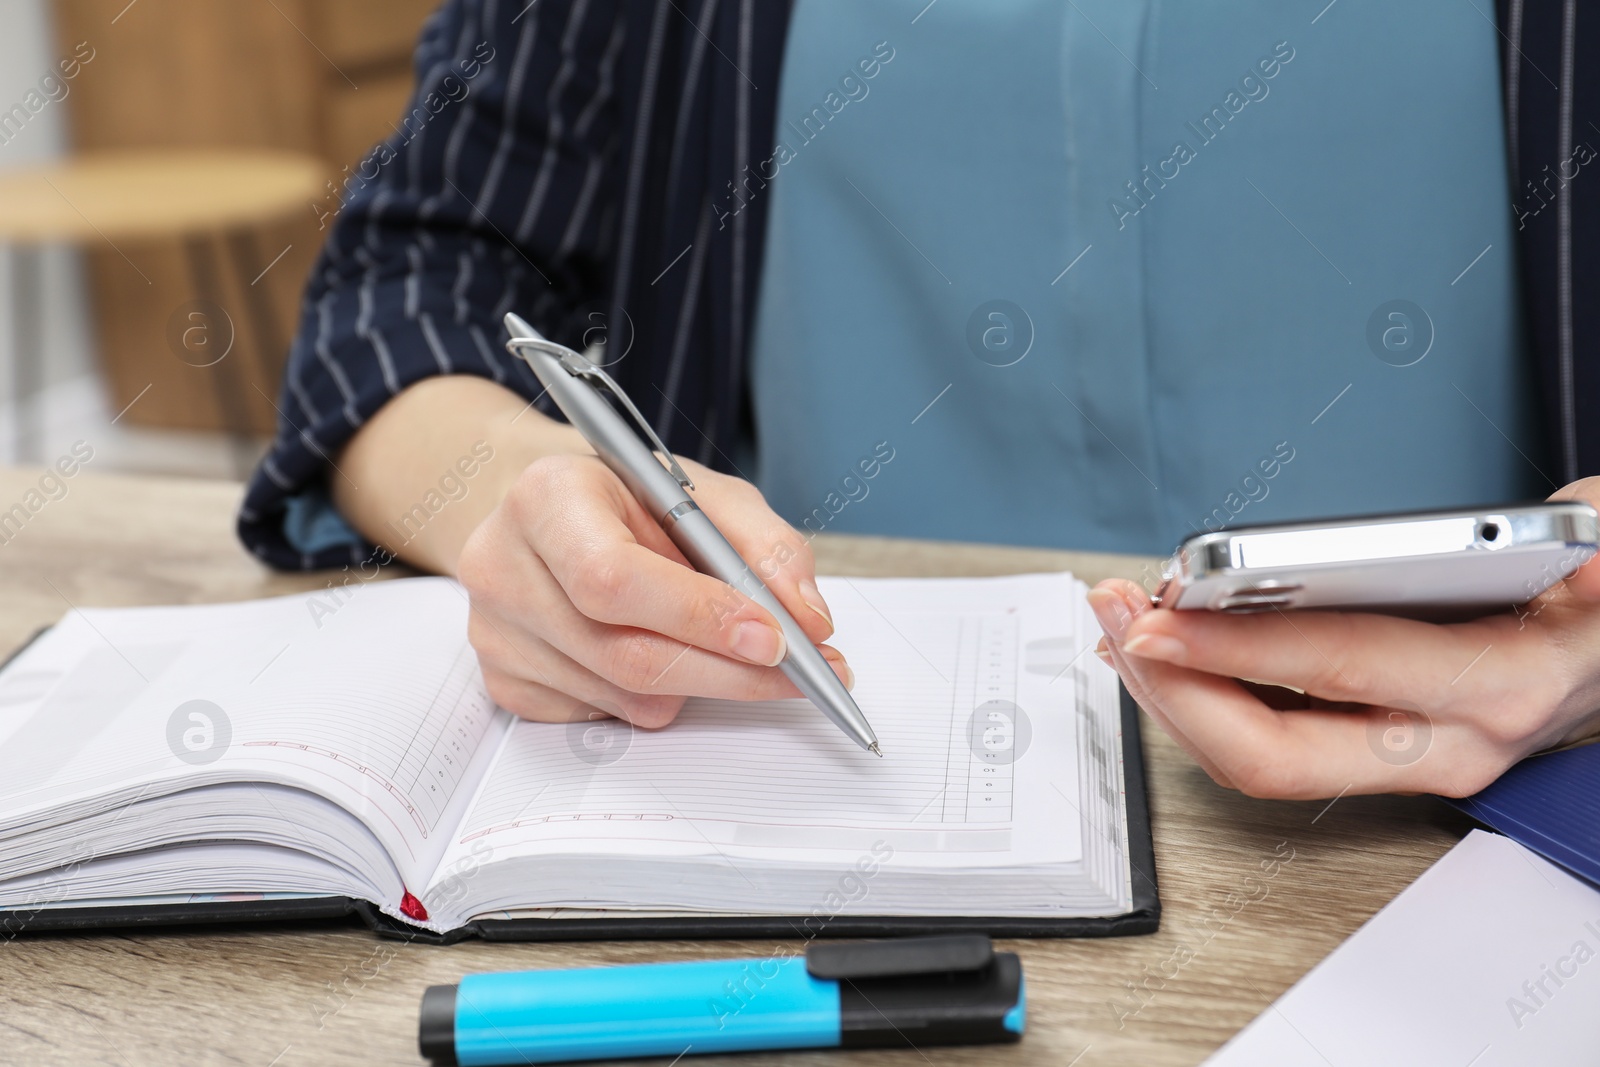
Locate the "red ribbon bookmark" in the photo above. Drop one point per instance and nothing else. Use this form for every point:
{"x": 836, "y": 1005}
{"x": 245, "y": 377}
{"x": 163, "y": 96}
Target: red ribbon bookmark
{"x": 412, "y": 908}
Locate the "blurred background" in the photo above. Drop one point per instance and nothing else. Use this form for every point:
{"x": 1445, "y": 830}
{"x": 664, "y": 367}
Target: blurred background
{"x": 163, "y": 191}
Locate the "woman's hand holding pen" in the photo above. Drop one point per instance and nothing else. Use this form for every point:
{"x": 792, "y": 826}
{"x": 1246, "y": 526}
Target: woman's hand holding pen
{"x": 579, "y": 599}
{"x": 581, "y": 602}
{"x": 1347, "y": 702}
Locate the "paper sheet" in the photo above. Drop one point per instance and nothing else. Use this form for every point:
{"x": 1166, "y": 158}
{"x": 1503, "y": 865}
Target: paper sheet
{"x": 1491, "y": 958}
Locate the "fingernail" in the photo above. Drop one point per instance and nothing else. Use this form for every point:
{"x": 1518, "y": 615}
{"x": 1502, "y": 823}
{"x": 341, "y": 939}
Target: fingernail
{"x": 1157, "y": 646}
{"x": 849, "y": 676}
{"x": 1112, "y": 613}
{"x": 814, "y": 601}
{"x": 1105, "y": 656}
{"x": 759, "y": 643}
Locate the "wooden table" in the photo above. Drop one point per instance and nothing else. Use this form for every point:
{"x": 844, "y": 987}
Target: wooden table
{"x": 1232, "y": 939}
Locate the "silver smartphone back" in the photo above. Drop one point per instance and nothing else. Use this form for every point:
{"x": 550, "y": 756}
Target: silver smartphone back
{"x": 1426, "y": 564}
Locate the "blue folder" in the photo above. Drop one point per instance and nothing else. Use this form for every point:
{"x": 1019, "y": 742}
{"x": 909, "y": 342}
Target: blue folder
{"x": 1551, "y": 804}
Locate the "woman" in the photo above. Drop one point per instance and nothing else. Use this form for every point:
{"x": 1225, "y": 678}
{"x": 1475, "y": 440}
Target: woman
{"x": 1094, "y": 275}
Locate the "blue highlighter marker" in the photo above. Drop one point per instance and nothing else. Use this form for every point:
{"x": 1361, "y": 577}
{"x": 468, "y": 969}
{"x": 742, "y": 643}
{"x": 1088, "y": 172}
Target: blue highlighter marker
{"x": 907, "y": 992}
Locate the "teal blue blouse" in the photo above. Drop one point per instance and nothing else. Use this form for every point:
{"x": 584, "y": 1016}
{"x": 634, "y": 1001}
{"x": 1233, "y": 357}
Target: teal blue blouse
{"x": 1101, "y": 274}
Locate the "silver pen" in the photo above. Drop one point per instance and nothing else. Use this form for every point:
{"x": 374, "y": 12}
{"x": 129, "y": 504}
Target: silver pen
{"x": 579, "y": 388}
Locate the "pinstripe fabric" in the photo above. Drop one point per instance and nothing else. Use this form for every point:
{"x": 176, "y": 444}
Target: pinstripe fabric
{"x": 575, "y": 181}
{"x": 577, "y": 164}
{"x": 1564, "y": 353}
{"x": 1552, "y": 75}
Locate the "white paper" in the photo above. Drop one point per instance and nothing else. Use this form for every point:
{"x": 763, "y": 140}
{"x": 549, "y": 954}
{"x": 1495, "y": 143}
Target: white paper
{"x": 770, "y": 784}
{"x": 1000, "y": 790}
{"x": 1490, "y": 959}
{"x": 369, "y": 697}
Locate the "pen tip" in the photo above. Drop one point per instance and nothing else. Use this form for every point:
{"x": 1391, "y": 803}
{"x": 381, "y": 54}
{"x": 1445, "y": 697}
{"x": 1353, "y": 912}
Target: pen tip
{"x": 875, "y": 750}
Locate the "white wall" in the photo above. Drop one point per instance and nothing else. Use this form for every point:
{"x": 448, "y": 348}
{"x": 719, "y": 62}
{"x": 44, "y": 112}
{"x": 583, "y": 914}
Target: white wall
{"x": 27, "y": 52}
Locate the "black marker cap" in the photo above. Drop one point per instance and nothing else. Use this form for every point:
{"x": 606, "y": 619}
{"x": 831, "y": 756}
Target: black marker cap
{"x": 953, "y": 990}
{"x": 436, "y": 1028}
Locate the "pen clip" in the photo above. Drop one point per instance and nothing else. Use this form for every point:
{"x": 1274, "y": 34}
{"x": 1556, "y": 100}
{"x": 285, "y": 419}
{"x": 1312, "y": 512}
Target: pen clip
{"x": 580, "y": 366}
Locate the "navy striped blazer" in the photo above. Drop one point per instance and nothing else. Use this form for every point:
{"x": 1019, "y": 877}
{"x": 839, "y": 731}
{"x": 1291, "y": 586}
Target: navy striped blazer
{"x": 587, "y": 163}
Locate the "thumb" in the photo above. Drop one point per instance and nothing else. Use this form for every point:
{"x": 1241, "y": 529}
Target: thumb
{"x": 776, "y": 552}
{"x": 1584, "y": 582}
{"x": 782, "y": 559}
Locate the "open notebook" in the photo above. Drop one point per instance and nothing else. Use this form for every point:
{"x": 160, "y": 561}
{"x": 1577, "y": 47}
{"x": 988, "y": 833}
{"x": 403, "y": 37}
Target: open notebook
{"x": 305, "y": 755}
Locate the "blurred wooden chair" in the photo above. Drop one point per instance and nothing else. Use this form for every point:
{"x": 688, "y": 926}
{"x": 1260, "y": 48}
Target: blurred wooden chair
{"x": 208, "y": 201}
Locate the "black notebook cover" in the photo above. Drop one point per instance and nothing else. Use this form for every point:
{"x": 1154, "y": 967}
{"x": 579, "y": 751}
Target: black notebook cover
{"x": 1144, "y": 918}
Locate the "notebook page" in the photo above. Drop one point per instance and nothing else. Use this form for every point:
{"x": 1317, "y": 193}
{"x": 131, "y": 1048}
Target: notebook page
{"x": 371, "y": 698}
{"x": 971, "y": 685}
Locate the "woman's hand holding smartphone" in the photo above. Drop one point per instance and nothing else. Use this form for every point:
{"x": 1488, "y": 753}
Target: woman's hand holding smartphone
{"x": 1315, "y": 703}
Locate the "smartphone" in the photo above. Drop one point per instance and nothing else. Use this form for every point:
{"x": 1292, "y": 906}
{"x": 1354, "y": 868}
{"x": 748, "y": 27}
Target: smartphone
{"x": 1425, "y": 564}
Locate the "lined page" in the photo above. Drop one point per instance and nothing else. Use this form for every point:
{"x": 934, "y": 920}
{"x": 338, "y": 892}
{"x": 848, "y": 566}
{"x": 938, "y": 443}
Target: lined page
{"x": 371, "y": 697}
{"x": 980, "y": 750}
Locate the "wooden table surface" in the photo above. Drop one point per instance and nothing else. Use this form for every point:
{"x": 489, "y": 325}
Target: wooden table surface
{"x": 1232, "y": 937}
